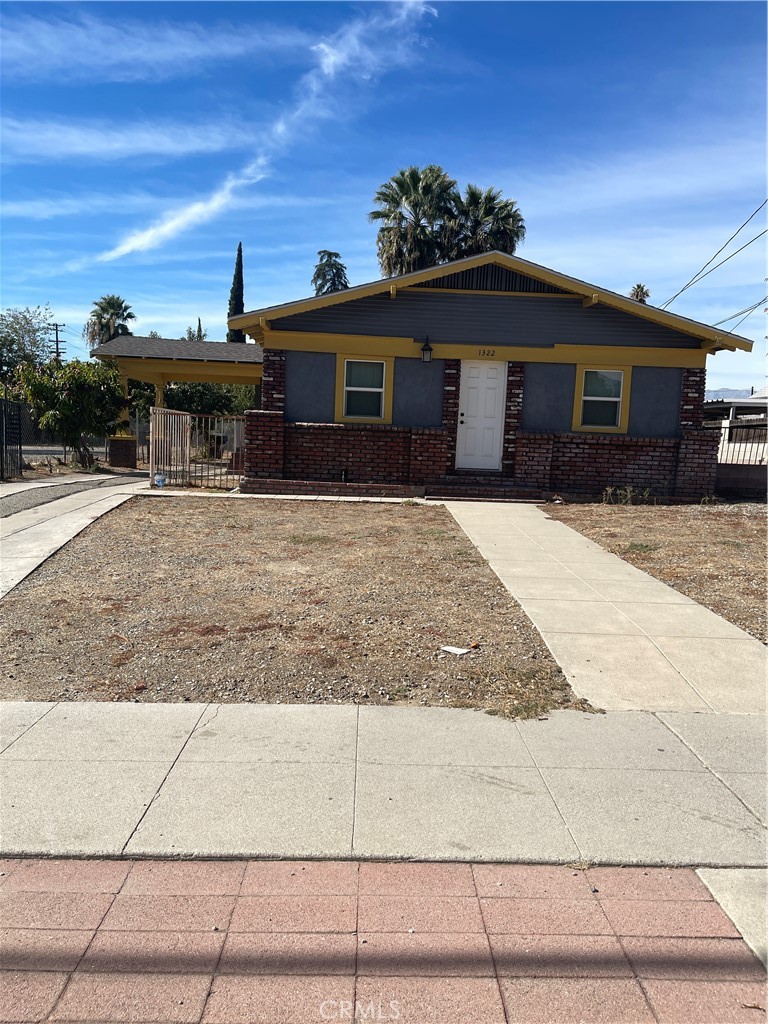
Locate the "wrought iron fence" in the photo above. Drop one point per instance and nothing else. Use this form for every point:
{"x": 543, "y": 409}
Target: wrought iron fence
{"x": 742, "y": 443}
{"x": 187, "y": 450}
{"x": 11, "y": 461}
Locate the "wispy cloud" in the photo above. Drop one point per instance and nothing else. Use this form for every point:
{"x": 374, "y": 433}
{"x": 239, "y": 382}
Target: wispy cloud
{"x": 360, "y": 51}
{"x": 53, "y": 205}
{"x": 39, "y": 47}
{"x": 37, "y": 141}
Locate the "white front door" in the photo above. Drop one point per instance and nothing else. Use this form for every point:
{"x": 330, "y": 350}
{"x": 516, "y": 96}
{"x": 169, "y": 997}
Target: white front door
{"x": 481, "y": 415}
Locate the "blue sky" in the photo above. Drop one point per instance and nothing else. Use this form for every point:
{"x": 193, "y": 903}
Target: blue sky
{"x": 143, "y": 141}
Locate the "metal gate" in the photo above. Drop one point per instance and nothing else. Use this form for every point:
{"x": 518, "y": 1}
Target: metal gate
{"x": 196, "y": 451}
{"x": 10, "y": 439}
{"x": 170, "y": 435}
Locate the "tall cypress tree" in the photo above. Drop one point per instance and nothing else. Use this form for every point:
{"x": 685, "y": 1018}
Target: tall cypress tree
{"x": 236, "y": 300}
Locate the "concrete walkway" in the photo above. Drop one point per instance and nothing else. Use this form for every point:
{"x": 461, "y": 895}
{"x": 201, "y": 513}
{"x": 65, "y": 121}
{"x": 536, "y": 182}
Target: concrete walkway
{"x": 125, "y": 779}
{"x": 623, "y": 639}
{"x": 29, "y": 537}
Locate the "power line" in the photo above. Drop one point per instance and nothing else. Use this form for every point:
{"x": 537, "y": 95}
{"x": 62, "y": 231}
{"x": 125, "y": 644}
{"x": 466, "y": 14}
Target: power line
{"x": 58, "y": 343}
{"x": 722, "y": 247}
{"x": 747, "y": 310}
{"x": 732, "y": 330}
{"x": 729, "y": 257}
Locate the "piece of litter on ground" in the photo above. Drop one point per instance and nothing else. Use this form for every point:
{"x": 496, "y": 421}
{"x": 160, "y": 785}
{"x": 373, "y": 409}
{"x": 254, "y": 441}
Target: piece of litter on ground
{"x": 456, "y": 650}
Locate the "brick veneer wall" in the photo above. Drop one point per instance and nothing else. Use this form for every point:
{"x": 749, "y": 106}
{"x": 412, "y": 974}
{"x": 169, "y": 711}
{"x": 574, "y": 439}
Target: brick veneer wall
{"x": 513, "y": 416}
{"x": 692, "y": 399}
{"x": 273, "y": 380}
{"x": 588, "y": 463}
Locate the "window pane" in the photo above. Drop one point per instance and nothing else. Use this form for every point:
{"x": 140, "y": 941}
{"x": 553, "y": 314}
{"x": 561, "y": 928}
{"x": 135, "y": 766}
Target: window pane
{"x": 363, "y": 403}
{"x": 599, "y": 414}
{"x": 602, "y": 383}
{"x": 365, "y": 375}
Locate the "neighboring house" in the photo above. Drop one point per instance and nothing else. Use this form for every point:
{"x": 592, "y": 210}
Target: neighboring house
{"x": 487, "y": 376}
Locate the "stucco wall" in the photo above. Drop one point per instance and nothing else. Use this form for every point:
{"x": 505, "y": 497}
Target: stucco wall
{"x": 654, "y": 409}
{"x": 418, "y": 396}
{"x": 548, "y": 396}
{"x": 310, "y": 384}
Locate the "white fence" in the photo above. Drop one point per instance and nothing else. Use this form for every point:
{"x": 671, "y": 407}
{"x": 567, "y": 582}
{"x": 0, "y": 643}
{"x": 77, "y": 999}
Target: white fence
{"x": 196, "y": 451}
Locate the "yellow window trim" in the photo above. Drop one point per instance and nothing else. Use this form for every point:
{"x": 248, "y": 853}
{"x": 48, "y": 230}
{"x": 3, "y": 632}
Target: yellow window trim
{"x": 578, "y": 398}
{"x": 389, "y": 373}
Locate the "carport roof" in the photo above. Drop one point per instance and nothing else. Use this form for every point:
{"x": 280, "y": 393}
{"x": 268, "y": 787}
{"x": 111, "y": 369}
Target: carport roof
{"x": 127, "y": 346}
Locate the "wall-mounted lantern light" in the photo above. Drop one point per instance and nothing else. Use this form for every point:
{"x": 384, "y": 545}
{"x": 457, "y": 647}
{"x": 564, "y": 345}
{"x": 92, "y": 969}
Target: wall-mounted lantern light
{"x": 426, "y": 351}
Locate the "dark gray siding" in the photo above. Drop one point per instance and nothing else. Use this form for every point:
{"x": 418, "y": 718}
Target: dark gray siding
{"x": 418, "y": 394}
{"x": 486, "y": 320}
{"x": 548, "y": 396}
{"x": 310, "y": 387}
{"x": 654, "y": 409}
{"x": 492, "y": 278}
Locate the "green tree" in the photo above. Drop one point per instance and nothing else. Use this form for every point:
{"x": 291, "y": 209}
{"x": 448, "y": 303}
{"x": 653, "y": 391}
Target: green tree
{"x": 482, "y": 221}
{"x": 640, "y": 293}
{"x": 25, "y": 336}
{"x": 425, "y": 221}
{"x": 195, "y": 334}
{"x": 74, "y": 400}
{"x": 236, "y": 298}
{"x": 199, "y": 397}
{"x": 413, "y": 207}
{"x": 330, "y": 273}
{"x": 108, "y": 319}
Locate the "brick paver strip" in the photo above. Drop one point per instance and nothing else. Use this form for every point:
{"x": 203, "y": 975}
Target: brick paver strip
{"x": 230, "y": 942}
{"x": 27, "y": 995}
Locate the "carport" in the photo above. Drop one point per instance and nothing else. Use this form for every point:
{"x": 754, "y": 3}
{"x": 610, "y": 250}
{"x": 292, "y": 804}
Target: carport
{"x": 160, "y": 361}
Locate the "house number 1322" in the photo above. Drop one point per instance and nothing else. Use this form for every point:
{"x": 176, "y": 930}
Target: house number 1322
{"x": 486, "y": 351}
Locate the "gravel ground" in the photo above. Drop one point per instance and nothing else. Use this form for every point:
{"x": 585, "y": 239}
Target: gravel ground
{"x": 715, "y": 554}
{"x": 311, "y": 602}
{"x": 31, "y": 497}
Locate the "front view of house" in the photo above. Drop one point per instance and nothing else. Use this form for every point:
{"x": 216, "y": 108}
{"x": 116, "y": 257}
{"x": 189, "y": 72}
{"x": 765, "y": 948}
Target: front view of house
{"x": 487, "y": 376}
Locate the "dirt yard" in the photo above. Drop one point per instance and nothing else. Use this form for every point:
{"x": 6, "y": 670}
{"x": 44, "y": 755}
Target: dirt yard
{"x": 715, "y": 554}
{"x": 171, "y": 599}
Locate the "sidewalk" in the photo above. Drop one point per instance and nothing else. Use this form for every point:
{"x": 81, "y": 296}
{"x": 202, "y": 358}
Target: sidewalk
{"x": 260, "y": 780}
{"x": 31, "y": 536}
{"x": 623, "y": 639}
{"x": 231, "y": 942}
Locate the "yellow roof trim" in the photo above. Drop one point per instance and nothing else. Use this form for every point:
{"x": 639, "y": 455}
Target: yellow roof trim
{"x": 251, "y": 321}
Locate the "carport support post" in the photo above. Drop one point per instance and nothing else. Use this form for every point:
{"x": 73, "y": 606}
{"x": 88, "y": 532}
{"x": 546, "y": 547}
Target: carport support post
{"x": 160, "y": 395}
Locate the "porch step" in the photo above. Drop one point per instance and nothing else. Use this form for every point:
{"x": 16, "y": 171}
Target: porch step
{"x": 486, "y": 486}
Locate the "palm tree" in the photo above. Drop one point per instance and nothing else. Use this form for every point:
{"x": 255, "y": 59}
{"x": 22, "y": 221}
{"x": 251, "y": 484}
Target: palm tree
{"x": 330, "y": 273}
{"x": 482, "y": 221}
{"x": 640, "y": 293}
{"x": 413, "y": 207}
{"x": 109, "y": 319}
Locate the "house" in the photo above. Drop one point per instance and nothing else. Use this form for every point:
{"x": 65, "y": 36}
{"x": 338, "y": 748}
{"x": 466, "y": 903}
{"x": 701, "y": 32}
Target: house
{"x": 488, "y": 376}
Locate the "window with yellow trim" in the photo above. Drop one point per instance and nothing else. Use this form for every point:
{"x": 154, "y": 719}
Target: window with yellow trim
{"x": 364, "y": 382}
{"x": 602, "y": 399}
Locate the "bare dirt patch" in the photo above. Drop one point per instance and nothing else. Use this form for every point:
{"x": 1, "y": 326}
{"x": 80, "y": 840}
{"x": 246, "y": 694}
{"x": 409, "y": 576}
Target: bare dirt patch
{"x": 170, "y": 599}
{"x": 715, "y": 554}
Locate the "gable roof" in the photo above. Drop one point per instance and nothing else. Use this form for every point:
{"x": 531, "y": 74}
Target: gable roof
{"x": 255, "y": 320}
{"x": 129, "y": 346}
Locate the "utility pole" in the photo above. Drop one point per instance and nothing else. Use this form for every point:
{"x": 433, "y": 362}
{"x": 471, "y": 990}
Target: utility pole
{"x": 58, "y": 345}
